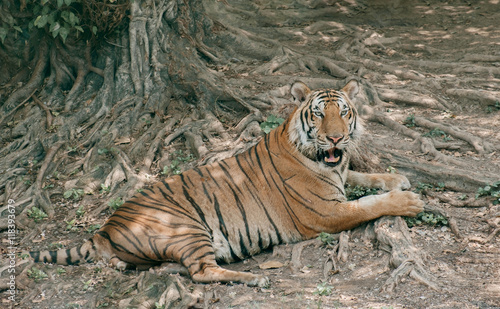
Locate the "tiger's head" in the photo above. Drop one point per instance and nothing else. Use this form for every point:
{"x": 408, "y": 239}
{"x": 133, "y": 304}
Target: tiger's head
{"x": 325, "y": 127}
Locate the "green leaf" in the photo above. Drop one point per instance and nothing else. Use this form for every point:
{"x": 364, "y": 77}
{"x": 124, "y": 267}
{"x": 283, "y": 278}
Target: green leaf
{"x": 73, "y": 19}
{"x": 18, "y": 29}
{"x": 68, "y": 2}
{"x": 60, "y": 3}
{"x": 44, "y": 2}
{"x": 94, "y": 30}
{"x": 63, "y": 33}
{"x": 52, "y": 17}
{"x": 45, "y": 10}
{"x": 79, "y": 28}
{"x": 65, "y": 16}
{"x": 55, "y": 33}
{"x": 3, "y": 34}
{"x": 68, "y": 194}
{"x": 41, "y": 21}
{"x": 54, "y": 27}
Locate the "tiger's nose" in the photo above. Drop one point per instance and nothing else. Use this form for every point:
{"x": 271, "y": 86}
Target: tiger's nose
{"x": 336, "y": 138}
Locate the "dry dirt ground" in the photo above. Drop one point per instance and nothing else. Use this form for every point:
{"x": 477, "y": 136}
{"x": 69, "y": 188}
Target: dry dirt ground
{"x": 442, "y": 42}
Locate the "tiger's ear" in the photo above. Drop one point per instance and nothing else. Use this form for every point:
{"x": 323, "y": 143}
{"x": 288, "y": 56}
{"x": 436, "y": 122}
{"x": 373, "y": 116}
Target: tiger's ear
{"x": 351, "y": 88}
{"x": 300, "y": 91}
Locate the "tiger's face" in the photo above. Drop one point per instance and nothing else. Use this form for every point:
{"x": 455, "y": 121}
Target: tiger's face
{"x": 326, "y": 125}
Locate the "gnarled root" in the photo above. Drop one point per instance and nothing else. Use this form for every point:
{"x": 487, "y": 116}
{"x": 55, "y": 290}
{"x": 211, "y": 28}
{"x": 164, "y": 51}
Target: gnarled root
{"x": 393, "y": 236}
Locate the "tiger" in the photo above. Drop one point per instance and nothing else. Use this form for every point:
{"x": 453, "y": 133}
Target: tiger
{"x": 287, "y": 188}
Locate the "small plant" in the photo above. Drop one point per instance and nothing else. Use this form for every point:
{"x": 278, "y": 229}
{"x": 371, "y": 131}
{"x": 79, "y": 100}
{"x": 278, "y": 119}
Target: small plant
{"x": 463, "y": 197}
{"x": 438, "y": 133}
{"x": 80, "y": 211}
{"x": 56, "y": 245}
{"x": 104, "y": 189}
{"x": 60, "y": 271}
{"x": 492, "y": 108}
{"x": 88, "y": 285}
{"x": 440, "y": 186}
{"x": 492, "y": 190}
{"x": 175, "y": 166}
{"x": 410, "y": 121}
{"x": 326, "y": 238}
{"x": 49, "y": 186}
{"x": 353, "y": 193}
{"x": 36, "y": 214}
{"x": 424, "y": 186}
{"x": 158, "y": 306}
{"x": 70, "y": 225}
{"x": 102, "y": 151}
{"x": 92, "y": 228}
{"x": 74, "y": 194}
{"x": 114, "y": 204}
{"x": 391, "y": 169}
{"x": 36, "y": 274}
{"x": 323, "y": 289}
{"x": 271, "y": 123}
{"x": 426, "y": 218}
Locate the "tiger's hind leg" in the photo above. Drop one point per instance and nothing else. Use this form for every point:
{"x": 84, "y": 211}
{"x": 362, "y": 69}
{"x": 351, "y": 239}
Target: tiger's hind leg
{"x": 202, "y": 267}
{"x": 206, "y": 270}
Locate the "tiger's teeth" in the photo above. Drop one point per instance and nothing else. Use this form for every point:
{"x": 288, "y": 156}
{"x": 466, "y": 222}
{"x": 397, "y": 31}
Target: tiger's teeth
{"x": 331, "y": 157}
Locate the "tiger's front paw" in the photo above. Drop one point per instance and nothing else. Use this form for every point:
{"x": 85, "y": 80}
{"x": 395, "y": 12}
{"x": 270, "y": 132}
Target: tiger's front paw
{"x": 391, "y": 182}
{"x": 405, "y": 203}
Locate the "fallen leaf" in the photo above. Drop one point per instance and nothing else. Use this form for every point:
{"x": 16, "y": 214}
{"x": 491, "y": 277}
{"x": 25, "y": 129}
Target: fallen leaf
{"x": 122, "y": 140}
{"x": 271, "y": 264}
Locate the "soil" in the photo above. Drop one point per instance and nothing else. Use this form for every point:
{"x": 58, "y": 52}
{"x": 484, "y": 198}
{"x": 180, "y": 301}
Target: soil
{"x": 425, "y": 51}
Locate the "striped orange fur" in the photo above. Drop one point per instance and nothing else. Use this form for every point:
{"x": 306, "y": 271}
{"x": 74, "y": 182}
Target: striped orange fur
{"x": 287, "y": 188}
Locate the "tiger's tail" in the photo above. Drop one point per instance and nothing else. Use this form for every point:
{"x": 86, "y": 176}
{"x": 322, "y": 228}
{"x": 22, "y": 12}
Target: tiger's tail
{"x": 83, "y": 254}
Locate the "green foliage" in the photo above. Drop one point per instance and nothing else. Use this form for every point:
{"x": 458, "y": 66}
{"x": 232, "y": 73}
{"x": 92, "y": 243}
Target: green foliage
{"x": 158, "y": 306}
{"x": 492, "y": 190}
{"x": 60, "y": 271}
{"x": 271, "y": 123}
{"x": 179, "y": 159}
{"x": 438, "y": 133}
{"x": 55, "y": 246}
{"x": 80, "y": 211}
{"x": 114, "y": 204}
{"x": 74, "y": 194}
{"x": 492, "y": 108}
{"x": 102, "y": 151}
{"x": 323, "y": 289}
{"x": 426, "y": 218}
{"x": 104, "y": 189}
{"x": 354, "y": 193}
{"x": 427, "y": 186}
{"x": 326, "y": 238}
{"x": 410, "y": 121}
{"x": 88, "y": 285}
{"x": 36, "y": 274}
{"x": 93, "y": 227}
{"x": 61, "y": 19}
{"x": 36, "y": 214}
{"x": 70, "y": 225}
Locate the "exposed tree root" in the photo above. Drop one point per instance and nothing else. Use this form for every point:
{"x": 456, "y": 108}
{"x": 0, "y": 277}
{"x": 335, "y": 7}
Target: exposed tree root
{"x": 295, "y": 263}
{"x": 426, "y": 146}
{"x": 479, "y": 145}
{"x": 393, "y": 237}
{"x": 406, "y": 97}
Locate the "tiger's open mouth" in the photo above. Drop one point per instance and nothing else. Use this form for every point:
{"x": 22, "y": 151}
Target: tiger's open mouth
{"x": 331, "y": 157}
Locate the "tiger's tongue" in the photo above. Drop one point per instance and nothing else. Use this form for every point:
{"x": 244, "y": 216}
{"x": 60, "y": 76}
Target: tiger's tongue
{"x": 331, "y": 156}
